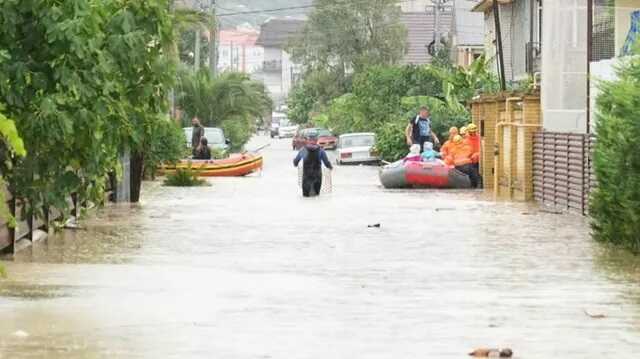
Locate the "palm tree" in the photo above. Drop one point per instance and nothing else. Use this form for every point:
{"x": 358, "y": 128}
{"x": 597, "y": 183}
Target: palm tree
{"x": 215, "y": 99}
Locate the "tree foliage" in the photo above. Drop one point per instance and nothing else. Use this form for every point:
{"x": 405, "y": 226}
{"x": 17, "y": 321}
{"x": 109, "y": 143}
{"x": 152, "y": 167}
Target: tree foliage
{"x": 340, "y": 39}
{"x": 383, "y": 98}
{"x": 231, "y": 100}
{"x": 615, "y": 204}
{"x": 83, "y": 80}
{"x": 311, "y": 95}
{"x": 345, "y": 36}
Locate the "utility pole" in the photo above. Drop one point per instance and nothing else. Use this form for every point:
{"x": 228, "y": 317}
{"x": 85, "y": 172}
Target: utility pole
{"x": 213, "y": 43}
{"x": 439, "y": 7}
{"x": 496, "y": 17}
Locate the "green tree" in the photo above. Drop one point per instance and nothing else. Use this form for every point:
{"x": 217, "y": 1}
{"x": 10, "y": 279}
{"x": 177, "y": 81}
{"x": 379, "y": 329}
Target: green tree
{"x": 313, "y": 93}
{"x": 615, "y": 204}
{"x": 342, "y": 38}
{"x": 231, "y": 100}
{"x": 82, "y": 79}
{"x": 347, "y": 36}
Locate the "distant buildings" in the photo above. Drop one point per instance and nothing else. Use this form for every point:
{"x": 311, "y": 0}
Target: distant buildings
{"x": 457, "y": 26}
{"x": 278, "y": 72}
{"x": 238, "y": 51}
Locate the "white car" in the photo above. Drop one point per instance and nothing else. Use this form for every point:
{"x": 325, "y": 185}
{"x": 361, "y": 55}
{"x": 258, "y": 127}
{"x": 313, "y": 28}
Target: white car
{"x": 357, "y": 148}
{"x": 287, "y": 130}
{"x": 215, "y": 137}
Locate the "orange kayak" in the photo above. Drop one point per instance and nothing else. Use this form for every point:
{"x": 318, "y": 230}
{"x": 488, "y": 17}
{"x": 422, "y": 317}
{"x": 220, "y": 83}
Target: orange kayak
{"x": 235, "y": 166}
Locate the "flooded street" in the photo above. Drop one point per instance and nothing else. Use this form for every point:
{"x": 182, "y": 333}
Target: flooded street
{"x": 247, "y": 268}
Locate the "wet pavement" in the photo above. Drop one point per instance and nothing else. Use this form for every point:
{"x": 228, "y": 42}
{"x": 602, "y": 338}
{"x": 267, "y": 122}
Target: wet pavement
{"x": 247, "y": 268}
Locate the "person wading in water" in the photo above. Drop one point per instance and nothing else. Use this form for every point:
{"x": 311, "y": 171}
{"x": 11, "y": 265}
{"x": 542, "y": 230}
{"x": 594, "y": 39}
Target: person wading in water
{"x": 312, "y": 157}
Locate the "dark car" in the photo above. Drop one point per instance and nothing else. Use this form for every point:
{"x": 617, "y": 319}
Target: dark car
{"x": 325, "y": 139}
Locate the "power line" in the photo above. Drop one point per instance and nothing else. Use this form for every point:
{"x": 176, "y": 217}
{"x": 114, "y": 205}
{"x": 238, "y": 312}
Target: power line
{"x": 310, "y": 6}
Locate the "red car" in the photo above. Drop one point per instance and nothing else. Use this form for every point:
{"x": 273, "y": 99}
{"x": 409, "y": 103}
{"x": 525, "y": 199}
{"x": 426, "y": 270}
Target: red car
{"x": 325, "y": 139}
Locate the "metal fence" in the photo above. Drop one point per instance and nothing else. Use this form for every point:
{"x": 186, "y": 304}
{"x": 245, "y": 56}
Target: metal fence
{"x": 563, "y": 173}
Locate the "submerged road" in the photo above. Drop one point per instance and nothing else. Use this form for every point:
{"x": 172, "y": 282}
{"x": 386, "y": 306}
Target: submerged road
{"x": 247, "y": 268}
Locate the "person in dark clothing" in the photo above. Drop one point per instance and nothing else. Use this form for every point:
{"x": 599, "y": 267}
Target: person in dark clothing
{"x": 202, "y": 152}
{"x": 312, "y": 157}
{"x": 196, "y": 134}
{"x": 419, "y": 130}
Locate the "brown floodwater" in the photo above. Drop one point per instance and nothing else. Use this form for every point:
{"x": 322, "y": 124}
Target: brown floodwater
{"x": 247, "y": 268}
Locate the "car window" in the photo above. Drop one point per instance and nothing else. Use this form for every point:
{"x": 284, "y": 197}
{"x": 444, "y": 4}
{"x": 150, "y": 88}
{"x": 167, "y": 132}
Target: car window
{"x": 323, "y": 132}
{"x": 357, "y": 141}
{"x": 214, "y": 135}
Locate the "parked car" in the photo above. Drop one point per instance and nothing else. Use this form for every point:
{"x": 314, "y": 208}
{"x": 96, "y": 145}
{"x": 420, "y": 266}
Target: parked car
{"x": 214, "y": 135}
{"x": 325, "y": 139}
{"x": 277, "y": 119}
{"x": 357, "y": 148}
{"x": 287, "y": 130}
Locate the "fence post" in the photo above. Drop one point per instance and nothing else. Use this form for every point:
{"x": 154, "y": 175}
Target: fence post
{"x": 30, "y": 225}
{"x": 45, "y": 212}
{"x": 74, "y": 200}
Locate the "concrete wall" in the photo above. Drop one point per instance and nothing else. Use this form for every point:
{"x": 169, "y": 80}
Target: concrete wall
{"x": 564, "y": 66}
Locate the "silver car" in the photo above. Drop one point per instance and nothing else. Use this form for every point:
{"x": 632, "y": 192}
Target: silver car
{"x": 357, "y": 148}
{"x": 214, "y": 135}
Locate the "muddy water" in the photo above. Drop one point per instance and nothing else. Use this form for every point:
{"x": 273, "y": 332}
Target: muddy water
{"x": 247, "y": 268}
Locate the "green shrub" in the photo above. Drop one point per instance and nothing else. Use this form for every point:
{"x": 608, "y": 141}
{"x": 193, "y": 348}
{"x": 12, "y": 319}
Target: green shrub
{"x": 218, "y": 154}
{"x": 167, "y": 144}
{"x": 184, "y": 178}
{"x": 239, "y": 131}
{"x": 615, "y": 204}
{"x": 390, "y": 140}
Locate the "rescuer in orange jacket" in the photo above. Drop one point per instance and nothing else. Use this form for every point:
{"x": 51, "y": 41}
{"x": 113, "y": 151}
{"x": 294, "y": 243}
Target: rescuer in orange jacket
{"x": 444, "y": 150}
{"x": 473, "y": 138}
{"x": 460, "y": 156}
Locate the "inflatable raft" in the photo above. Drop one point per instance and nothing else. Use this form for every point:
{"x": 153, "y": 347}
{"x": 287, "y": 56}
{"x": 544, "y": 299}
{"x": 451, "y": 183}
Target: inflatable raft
{"x": 434, "y": 174}
{"x": 234, "y": 166}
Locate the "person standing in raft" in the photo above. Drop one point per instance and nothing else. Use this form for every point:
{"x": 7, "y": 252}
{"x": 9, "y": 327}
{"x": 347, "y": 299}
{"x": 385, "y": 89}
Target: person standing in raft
{"x": 419, "y": 130}
{"x": 312, "y": 157}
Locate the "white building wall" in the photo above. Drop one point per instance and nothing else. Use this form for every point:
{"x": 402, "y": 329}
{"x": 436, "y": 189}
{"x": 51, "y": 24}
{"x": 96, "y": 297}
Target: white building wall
{"x": 234, "y": 57}
{"x": 564, "y": 66}
{"x": 415, "y": 5}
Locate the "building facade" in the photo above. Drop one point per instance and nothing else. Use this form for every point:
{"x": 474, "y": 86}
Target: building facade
{"x": 520, "y": 26}
{"x": 238, "y": 51}
{"x": 278, "y": 72}
{"x": 457, "y": 25}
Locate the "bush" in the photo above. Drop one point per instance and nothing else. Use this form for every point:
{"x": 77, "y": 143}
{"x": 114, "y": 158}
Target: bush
{"x": 184, "y": 178}
{"x": 615, "y": 204}
{"x": 167, "y": 144}
{"x": 238, "y": 131}
{"x": 390, "y": 143}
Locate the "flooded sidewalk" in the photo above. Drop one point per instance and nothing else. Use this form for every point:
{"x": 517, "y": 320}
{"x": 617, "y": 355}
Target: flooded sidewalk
{"x": 247, "y": 268}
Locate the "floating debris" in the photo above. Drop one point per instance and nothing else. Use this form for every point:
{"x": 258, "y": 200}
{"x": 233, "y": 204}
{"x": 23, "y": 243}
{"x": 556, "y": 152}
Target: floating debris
{"x": 21, "y": 334}
{"x": 594, "y": 316}
{"x": 492, "y": 353}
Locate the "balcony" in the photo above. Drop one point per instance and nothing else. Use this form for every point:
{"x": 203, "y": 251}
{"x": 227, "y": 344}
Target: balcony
{"x": 272, "y": 66}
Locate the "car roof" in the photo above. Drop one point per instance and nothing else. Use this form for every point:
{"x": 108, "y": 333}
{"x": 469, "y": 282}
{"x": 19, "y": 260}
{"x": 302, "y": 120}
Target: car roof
{"x": 358, "y": 134}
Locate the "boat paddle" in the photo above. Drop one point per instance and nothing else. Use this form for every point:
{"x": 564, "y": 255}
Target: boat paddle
{"x": 258, "y": 149}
